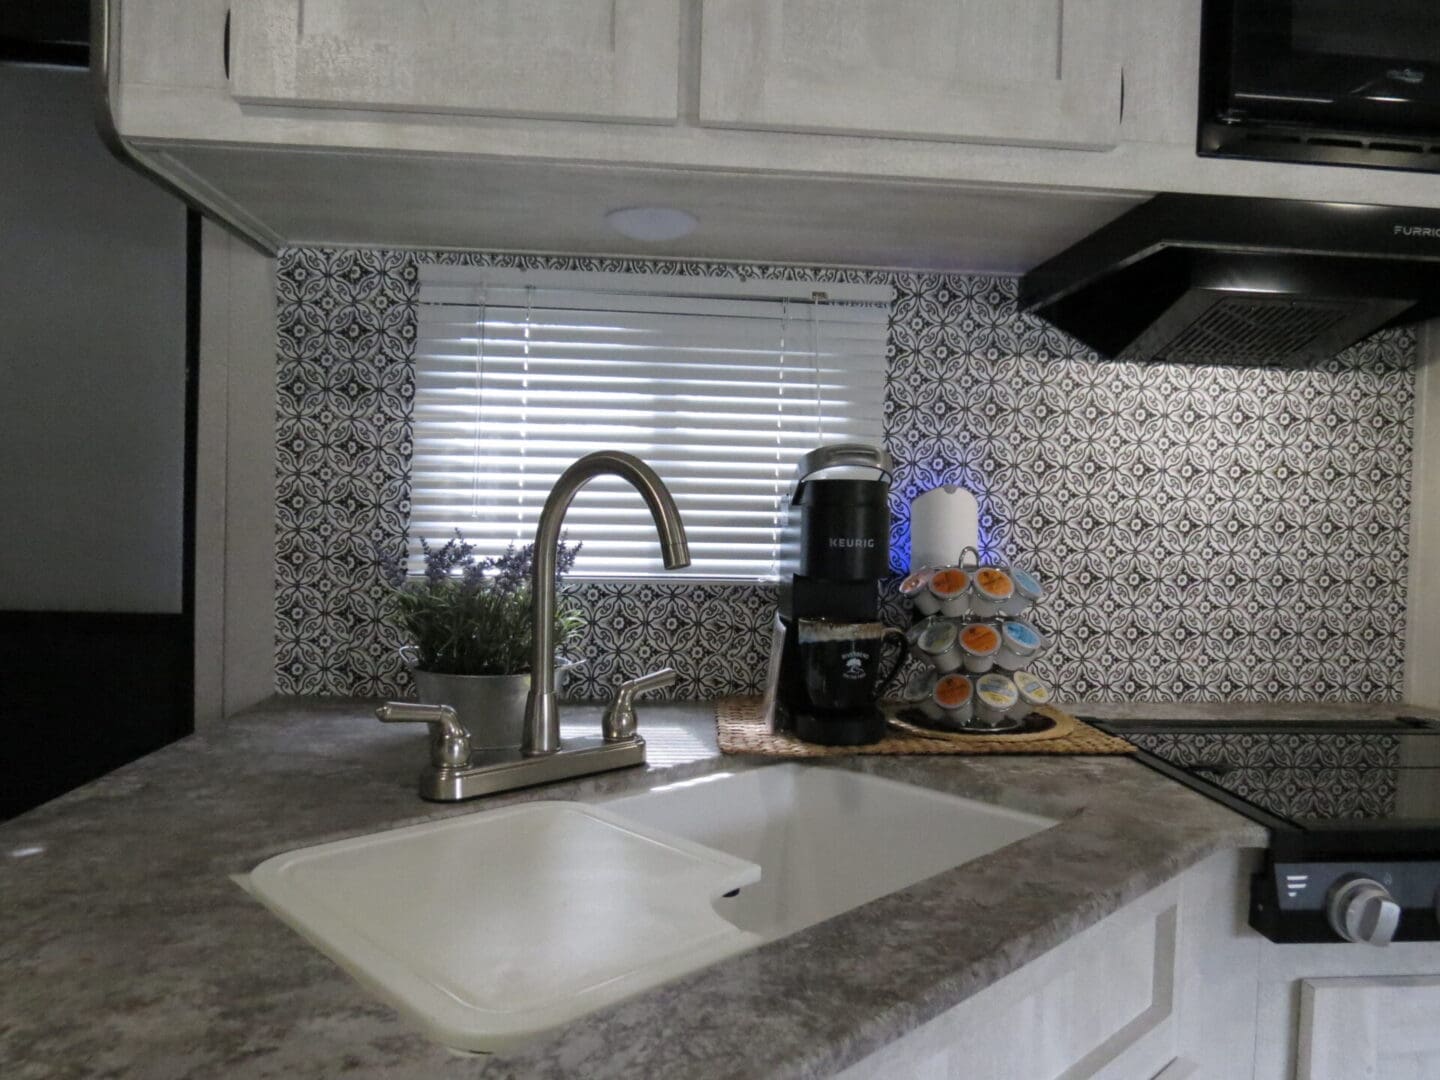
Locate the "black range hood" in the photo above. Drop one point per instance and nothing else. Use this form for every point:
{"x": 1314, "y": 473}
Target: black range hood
{"x": 1224, "y": 280}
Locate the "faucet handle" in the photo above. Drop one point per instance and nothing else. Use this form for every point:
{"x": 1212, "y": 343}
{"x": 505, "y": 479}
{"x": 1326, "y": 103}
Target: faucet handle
{"x": 449, "y": 741}
{"x": 618, "y": 723}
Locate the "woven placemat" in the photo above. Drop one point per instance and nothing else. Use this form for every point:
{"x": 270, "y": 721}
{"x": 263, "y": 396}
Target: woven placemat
{"x": 740, "y": 729}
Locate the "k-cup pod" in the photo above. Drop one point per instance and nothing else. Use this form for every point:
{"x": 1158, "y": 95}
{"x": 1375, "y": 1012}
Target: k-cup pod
{"x": 920, "y": 691}
{"x": 954, "y": 700}
{"x": 1028, "y": 592}
{"x": 1031, "y": 692}
{"x": 939, "y": 645}
{"x": 1019, "y": 644}
{"x": 979, "y": 642}
{"x": 916, "y": 589}
{"x": 995, "y": 696}
{"x": 990, "y": 590}
{"x": 951, "y": 589}
{"x": 919, "y": 626}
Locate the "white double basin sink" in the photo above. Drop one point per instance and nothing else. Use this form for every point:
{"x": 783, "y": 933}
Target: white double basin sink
{"x": 492, "y": 928}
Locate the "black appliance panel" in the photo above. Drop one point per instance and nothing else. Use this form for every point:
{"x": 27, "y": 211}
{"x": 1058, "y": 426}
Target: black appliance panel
{"x": 1328, "y": 81}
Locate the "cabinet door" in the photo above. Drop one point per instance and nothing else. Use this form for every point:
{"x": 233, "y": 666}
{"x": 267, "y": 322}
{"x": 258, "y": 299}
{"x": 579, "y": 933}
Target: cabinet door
{"x": 1381, "y": 1027}
{"x": 575, "y": 59}
{"x": 1042, "y": 72}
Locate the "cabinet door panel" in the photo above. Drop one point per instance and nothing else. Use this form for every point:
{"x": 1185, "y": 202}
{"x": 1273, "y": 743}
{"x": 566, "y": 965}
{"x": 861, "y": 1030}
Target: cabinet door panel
{"x": 575, "y": 59}
{"x": 1380, "y": 1027}
{"x": 1022, "y": 71}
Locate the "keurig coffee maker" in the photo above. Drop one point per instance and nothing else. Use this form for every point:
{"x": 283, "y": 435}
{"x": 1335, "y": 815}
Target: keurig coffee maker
{"x": 824, "y": 677}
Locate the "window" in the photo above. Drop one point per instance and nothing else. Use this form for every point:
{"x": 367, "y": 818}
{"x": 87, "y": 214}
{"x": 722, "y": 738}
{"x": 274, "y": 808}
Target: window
{"x": 718, "y": 384}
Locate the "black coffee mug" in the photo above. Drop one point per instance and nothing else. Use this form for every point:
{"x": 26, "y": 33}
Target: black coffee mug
{"x": 842, "y": 661}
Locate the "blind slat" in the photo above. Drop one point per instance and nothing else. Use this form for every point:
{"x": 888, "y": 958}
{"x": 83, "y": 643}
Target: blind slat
{"x": 518, "y": 374}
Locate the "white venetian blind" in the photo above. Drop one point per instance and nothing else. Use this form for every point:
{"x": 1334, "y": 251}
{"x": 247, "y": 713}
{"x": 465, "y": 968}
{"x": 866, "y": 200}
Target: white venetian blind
{"x": 719, "y": 385}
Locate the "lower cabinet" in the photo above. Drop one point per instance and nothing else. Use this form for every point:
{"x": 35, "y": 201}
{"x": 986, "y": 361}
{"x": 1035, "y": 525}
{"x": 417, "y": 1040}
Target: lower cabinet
{"x": 1112, "y": 1003}
{"x": 1348, "y": 1012}
{"x": 1177, "y": 986}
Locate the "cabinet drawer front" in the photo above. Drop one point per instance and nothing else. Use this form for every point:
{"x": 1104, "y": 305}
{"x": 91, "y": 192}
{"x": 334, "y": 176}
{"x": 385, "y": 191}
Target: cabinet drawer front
{"x": 1385, "y": 1027}
{"x": 570, "y": 59}
{"x": 1042, "y": 72}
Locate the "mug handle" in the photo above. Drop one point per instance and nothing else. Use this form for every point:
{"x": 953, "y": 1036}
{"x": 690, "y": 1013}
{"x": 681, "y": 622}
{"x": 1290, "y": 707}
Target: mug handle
{"x": 900, "y": 658}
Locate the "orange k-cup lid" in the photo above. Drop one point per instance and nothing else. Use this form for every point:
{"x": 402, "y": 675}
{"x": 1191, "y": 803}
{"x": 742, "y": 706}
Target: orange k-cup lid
{"x": 979, "y": 639}
{"x": 952, "y": 691}
{"x": 994, "y": 583}
{"x": 949, "y": 581}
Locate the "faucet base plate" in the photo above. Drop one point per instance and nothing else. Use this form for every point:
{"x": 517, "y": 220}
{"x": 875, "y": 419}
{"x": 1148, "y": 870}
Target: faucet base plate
{"x": 494, "y": 771}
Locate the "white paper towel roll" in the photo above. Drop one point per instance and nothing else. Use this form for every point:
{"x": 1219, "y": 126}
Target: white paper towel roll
{"x": 943, "y": 521}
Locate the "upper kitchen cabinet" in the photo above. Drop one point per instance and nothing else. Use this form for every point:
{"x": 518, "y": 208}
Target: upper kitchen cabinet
{"x": 974, "y": 135}
{"x": 1022, "y": 72}
{"x": 567, "y": 59}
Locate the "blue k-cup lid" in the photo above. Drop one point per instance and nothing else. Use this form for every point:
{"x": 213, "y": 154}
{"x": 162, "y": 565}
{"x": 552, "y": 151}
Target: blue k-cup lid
{"x": 1023, "y": 636}
{"x": 1025, "y": 585}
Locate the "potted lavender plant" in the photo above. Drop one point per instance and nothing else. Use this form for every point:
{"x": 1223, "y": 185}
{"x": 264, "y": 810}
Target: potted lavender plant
{"x": 468, "y": 624}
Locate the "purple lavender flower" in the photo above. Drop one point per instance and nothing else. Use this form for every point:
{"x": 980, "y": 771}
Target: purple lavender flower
{"x": 469, "y": 615}
{"x": 392, "y": 565}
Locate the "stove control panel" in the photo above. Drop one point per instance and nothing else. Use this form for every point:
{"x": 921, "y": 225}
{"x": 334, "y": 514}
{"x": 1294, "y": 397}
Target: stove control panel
{"x": 1371, "y": 902}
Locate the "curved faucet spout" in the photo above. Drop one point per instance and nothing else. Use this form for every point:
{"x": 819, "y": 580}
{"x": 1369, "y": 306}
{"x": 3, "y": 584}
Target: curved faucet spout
{"x": 542, "y": 711}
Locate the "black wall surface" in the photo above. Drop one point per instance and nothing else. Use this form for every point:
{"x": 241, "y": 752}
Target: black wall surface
{"x": 50, "y": 31}
{"x": 98, "y": 343}
{"x": 84, "y": 693}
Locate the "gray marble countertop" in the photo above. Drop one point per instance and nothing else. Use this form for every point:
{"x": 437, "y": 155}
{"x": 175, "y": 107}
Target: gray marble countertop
{"x": 128, "y": 951}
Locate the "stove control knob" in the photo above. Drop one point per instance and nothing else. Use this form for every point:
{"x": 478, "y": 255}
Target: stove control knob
{"x": 1361, "y": 909}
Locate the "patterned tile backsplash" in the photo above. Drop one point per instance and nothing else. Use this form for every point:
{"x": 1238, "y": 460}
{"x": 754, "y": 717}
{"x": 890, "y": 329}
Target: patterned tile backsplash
{"x": 1207, "y": 533}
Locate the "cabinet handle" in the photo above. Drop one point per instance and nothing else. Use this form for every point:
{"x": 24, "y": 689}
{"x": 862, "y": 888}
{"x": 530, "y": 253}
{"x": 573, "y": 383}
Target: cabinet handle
{"x": 227, "y": 43}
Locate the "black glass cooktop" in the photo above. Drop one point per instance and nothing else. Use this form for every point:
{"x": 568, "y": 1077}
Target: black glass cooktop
{"x": 1348, "y": 774}
{"x": 1343, "y": 800}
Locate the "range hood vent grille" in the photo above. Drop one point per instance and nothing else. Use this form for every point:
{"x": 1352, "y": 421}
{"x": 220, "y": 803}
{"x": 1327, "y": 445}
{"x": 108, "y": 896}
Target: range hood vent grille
{"x": 1254, "y": 331}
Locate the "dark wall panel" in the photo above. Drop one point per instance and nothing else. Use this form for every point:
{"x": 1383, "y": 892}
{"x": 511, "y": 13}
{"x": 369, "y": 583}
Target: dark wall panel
{"x": 83, "y": 694}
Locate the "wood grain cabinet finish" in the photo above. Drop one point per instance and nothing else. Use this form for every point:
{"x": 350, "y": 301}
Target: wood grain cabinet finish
{"x": 614, "y": 60}
{"x": 1386, "y": 1028}
{"x": 1036, "y": 72}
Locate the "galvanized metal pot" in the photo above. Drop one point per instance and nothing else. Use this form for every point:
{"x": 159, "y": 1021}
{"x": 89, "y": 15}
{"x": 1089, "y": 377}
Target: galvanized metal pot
{"x": 492, "y": 707}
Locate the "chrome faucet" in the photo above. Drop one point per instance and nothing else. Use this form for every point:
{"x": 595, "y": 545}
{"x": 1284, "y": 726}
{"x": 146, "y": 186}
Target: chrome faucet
{"x": 542, "y": 711}
{"x": 456, "y": 771}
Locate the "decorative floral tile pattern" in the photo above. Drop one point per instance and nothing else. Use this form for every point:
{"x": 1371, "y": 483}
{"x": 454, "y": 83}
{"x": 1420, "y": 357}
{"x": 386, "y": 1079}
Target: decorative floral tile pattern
{"x": 1206, "y": 532}
{"x": 716, "y": 636}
